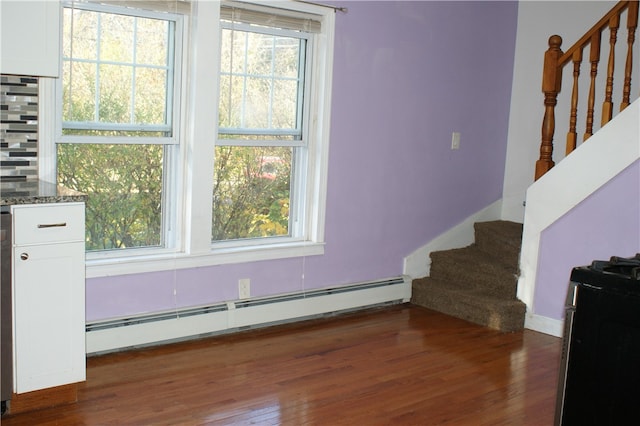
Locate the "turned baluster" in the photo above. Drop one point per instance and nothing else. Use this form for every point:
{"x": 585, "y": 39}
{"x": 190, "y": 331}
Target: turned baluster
{"x": 573, "y": 118}
{"x": 632, "y": 24}
{"x": 551, "y": 82}
{"x": 594, "y": 57}
{"x": 607, "y": 105}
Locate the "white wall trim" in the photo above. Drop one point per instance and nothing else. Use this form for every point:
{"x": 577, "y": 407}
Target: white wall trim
{"x": 571, "y": 181}
{"x": 418, "y": 263}
{"x": 241, "y": 314}
{"x": 544, "y": 325}
{"x": 172, "y": 261}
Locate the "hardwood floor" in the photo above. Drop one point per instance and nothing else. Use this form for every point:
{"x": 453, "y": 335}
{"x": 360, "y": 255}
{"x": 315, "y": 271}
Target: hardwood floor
{"x": 398, "y": 365}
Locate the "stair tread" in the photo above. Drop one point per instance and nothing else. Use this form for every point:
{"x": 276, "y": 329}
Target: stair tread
{"x": 503, "y": 228}
{"x": 475, "y": 256}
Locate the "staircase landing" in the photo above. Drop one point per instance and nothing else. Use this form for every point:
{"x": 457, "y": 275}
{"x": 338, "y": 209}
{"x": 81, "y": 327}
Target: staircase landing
{"x": 477, "y": 283}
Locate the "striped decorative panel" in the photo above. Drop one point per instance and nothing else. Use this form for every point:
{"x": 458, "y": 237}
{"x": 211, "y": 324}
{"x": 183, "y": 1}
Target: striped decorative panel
{"x": 18, "y": 128}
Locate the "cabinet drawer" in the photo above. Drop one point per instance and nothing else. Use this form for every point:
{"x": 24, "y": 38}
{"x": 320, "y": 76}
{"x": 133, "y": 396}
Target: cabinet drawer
{"x": 48, "y": 223}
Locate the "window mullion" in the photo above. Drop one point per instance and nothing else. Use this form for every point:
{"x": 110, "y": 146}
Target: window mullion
{"x": 202, "y": 106}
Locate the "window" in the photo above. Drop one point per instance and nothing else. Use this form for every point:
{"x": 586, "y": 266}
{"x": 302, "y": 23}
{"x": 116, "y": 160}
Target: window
{"x": 196, "y": 144}
{"x": 116, "y": 136}
{"x": 262, "y": 150}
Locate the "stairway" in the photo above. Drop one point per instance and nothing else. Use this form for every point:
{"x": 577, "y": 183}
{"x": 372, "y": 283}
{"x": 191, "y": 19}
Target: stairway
{"x": 477, "y": 283}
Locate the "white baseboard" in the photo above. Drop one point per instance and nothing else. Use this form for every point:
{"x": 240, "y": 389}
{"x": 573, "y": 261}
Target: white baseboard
{"x": 544, "y": 325}
{"x": 418, "y": 263}
{"x": 119, "y": 334}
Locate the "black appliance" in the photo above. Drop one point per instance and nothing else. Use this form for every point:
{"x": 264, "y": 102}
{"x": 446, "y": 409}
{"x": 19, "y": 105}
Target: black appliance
{"x": 6, "y": 326}
{"x": 599, "y": 381}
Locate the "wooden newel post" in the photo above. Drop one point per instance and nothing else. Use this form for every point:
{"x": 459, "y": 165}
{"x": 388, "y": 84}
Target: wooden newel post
{"x": 551, "y": 82}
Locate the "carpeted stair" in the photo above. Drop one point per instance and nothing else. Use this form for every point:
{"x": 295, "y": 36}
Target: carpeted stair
{"x": 477, "y": 283}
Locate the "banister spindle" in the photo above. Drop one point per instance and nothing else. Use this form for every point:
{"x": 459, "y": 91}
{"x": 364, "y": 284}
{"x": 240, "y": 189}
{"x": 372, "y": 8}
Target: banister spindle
{"x": 551, "y": 81}
{"x": 573, "y": 118}
{"x": 632, "y": 24}
{"x": 594, "y": 58}
{"x": 607, "y": 105}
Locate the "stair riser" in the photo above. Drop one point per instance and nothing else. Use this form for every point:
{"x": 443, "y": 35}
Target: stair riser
{"x": 473, "y": 256}
{"x": 498, "y": 289}
{"x": 501, "y": 241}
{"x": 452, "y": 268}
{"x": 506, "y": 318}
{"x": 509, "y": 255}
{"x": 494, "y": 281}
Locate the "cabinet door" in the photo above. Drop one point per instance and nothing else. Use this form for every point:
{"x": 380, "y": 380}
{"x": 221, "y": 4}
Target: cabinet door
{"x": 30, "y": 37}
{"x": 49, "y": 315}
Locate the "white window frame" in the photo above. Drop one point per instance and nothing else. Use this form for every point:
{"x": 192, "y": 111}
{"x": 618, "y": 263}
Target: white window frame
{"x": 194, "y": 166}
{"x": 298, "y": 231}
{"x": 170, "y": 240}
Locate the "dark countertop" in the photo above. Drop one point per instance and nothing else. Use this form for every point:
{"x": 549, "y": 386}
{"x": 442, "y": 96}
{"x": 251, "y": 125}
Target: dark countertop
{"x": 37, "y": 192}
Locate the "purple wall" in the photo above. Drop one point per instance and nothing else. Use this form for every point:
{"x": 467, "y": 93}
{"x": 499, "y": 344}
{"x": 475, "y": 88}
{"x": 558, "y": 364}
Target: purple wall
{"x": 590, "y": 231}
{"x": 407, "y": 75}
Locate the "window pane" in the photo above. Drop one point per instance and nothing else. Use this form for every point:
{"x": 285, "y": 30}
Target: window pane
{"x": 79, "y": 91}
{"x": 286, "y": 57}
{"x": 257, "y": 103}
{"x": 231, "y": 101}
{"x": 285, "y": 104}
{"x": 116, "y": 38}
{"x": 152, "y": 43}
{"x": 260, "y": 52}
{"x": 84, "y": 44}
{"x": 150, "y": 89}
{"x": 224, "y": 109}
{"x": 124, "y": 187}
{"x": 115, "y": 94}
{"x": 251, "y": 193}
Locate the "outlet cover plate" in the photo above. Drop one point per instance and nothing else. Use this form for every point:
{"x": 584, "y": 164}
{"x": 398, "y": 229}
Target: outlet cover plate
{"x": 244, "y": 288}
{"x": 455, "y": 140}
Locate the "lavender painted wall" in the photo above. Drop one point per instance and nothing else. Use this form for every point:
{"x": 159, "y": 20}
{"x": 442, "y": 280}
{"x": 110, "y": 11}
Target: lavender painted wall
{"x": 605, "y": 224}
{"x": 407, "y": 75}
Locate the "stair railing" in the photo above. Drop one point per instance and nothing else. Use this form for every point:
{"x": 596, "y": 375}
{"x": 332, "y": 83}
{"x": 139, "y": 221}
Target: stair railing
{"x": 554, "y": 62}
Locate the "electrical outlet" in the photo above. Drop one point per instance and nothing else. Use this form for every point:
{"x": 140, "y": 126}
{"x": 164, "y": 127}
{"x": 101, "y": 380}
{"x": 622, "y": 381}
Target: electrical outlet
{"x": 244, "y": 288}
{"x": 455, "y": 140}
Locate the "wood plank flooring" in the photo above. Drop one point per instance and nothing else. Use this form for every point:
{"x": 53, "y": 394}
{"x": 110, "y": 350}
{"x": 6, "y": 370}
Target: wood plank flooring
{"x": 398, "y": 365}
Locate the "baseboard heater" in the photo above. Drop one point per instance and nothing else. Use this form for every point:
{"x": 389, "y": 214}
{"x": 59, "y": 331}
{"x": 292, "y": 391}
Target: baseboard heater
{"x": 163, "y": 327}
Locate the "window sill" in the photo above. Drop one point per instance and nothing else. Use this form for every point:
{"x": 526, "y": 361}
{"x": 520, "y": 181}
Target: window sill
{"x": 96, "y": 268}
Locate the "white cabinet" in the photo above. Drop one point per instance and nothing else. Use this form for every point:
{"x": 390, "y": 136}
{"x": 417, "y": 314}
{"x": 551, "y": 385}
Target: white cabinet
{"x": 49, "y": 295}
{"x": 30, "y": 37}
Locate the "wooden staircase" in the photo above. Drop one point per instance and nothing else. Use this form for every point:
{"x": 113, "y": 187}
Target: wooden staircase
{"x": 477, "y": 283}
